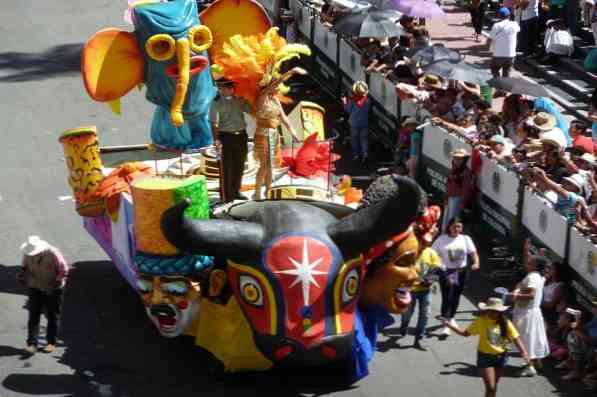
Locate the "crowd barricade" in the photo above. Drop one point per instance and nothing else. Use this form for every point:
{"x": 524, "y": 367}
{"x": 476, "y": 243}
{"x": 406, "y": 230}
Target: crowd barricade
{"x": 582, "y": 257}
{"x": 303, "y": 19}
{"x": 325, "y": 57}
{"x": 506, "y": 209}
{"x": 436, "y": 162}
{"x": 499, "y": 199}
{"x": 384, "y": 109}
{"x": 544, "y": 223}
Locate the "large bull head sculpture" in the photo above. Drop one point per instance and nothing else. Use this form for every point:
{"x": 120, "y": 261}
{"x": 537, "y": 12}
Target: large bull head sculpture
{"x": 296, "y": 269}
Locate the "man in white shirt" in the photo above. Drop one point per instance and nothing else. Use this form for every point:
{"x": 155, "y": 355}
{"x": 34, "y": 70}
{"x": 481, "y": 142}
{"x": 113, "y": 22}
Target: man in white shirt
{"x": 529, "y": 26}
{"x": 503, "y": 43}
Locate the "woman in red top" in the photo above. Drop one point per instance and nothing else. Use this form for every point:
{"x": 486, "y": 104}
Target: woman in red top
{"x": 459, "y": 187}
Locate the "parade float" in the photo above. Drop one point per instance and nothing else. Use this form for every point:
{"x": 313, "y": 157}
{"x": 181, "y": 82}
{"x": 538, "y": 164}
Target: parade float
{"x": 306, "y": 277}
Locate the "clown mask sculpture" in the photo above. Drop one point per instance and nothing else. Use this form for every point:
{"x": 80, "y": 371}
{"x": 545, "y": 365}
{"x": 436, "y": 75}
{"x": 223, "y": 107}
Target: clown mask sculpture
{"x": 295, "y": 268}
{"x": 170, "y": 291}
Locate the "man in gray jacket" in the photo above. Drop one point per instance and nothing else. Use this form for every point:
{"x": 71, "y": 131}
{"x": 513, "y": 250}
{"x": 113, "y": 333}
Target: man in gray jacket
{"x": 43, "y": 273}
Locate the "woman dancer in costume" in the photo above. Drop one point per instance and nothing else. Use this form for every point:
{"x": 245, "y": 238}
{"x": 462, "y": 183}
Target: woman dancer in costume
{"x": 253, "y": 63}
{"x": 269, "y": 113}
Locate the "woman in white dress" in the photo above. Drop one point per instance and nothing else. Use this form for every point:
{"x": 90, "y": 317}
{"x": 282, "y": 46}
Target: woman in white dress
{"x": 527, "y": 317}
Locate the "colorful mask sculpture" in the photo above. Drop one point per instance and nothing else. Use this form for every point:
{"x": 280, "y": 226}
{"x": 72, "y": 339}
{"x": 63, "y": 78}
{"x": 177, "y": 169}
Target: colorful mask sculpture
{"x": 170, "y": 292}
{"x": 390, "y": 264}
{"x": 168, "y": 278}
{"x": 166, "y": 52}
{"x": 295, "y": 269}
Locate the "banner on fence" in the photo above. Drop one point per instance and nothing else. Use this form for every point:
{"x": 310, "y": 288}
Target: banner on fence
{"x": 408, "y": 107}
{"x": 436, "y": 160}
{"x": 324, "y": 70}
{"x": 544, "y": 223}
{"x": 384, "y": 92}
{"x": 325, "y": 40}
{"x": 302, "y": 17}
{"x": 499, "y": 198}
{"x": 350, "y": 62}
{"x": 583, "y": 260}
{"x": 383, "y": 126}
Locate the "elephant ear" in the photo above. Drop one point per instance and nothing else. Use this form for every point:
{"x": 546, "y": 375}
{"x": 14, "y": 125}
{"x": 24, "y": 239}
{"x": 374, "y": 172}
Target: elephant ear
{"x": 112, "y": 64}
{"x": 222, "y": 18}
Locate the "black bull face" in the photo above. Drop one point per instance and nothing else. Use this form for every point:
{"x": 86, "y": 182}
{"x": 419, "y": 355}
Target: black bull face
{"x": 295, "y": 268}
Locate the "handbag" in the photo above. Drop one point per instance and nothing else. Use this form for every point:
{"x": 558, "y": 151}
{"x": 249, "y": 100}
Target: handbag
{"x": 559, "y": 42}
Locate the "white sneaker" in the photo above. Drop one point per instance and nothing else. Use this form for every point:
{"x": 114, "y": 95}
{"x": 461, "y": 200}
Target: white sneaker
{"x": 445, "y": 331}
{"x": 529, "y": 371}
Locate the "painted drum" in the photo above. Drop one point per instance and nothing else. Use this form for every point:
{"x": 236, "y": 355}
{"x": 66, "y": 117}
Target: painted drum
{"x": 152, "y": 196}
{"x": 81, "y": 154}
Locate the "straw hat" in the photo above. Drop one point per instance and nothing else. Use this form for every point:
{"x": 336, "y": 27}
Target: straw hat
{"x": 555, "y": 137}
{"x": 460, "y": 153}
{"x": 431, "y": 81}
{"x": 360, "y": 88}
{"x": 33, "y": 246}
{"x": 543, "y": 121}
{"x": 589, "y": 158}
{"x": 494, "y": 304}
{"x": 575, "y": 179}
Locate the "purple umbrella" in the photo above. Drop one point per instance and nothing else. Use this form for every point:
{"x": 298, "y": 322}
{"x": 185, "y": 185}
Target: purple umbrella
{"x": 403, "y": 5}
{"x": 423, "y": 9}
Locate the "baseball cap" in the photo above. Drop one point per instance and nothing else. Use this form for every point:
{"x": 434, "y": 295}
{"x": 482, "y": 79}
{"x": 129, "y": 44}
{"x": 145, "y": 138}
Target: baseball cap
{"x": 504, "y": 12}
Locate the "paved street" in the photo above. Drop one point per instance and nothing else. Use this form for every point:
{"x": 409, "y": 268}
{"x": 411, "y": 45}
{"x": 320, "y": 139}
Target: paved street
{"x": 108, "y": 346}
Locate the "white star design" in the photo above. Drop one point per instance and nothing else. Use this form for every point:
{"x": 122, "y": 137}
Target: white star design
{"x": 304, "y": 272}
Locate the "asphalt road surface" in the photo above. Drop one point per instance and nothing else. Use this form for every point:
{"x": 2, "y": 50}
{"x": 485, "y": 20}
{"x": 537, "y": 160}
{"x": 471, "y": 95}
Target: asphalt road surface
{"x": 108, "y": 347}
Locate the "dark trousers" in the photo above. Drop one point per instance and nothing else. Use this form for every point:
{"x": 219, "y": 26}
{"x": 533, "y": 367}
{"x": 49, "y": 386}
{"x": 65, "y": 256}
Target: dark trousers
{"x": 529, "y": 35}
{"x": 451, "y": 292}
{"x": 38, "y": 301}
{"x": 501, "y": 63}
{"x": 234, "y": 156}
{"x": 477, "y": 16}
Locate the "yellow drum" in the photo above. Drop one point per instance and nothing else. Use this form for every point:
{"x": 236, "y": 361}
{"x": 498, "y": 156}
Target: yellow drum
{"x": 81, "y": 153}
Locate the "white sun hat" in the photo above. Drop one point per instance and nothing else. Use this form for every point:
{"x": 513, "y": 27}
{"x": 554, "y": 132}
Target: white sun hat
{"x": 33, "y": 246}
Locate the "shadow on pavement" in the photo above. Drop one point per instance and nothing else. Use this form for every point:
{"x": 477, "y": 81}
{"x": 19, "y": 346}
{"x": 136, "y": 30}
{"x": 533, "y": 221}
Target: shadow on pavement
{"x": 8, "y": 280}
{"x": 114, "y": 350}
{"x": 25, "y": 66}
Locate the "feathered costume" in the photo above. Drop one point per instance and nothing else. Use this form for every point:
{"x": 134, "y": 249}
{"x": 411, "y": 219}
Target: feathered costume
{"x": 253, "y": 63}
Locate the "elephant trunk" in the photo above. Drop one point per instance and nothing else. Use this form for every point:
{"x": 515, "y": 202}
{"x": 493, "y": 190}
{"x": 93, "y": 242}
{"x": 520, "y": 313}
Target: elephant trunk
{"x": 183, "y": 53}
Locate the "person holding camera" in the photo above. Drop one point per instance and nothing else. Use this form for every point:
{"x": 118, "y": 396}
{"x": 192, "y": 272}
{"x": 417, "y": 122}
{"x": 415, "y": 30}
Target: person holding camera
{"x": 43, "y": 272}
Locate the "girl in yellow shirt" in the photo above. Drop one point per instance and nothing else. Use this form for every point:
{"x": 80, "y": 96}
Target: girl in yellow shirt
{"x": 495, "y": 332}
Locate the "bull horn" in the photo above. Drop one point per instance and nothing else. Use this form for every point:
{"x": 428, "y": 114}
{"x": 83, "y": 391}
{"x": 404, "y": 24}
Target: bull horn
{"x": 379, "y": 221}
{"x": 216, "y": 237}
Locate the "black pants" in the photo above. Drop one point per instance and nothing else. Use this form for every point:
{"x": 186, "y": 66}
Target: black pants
{"x": 501, "y": 63}
{"x": 38, "y": 301}
{"x": 477, "y": 16}
{"x": 451, "y": 293}
{"x": 234, "y": 156}
{"x": 529, "y": 35}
